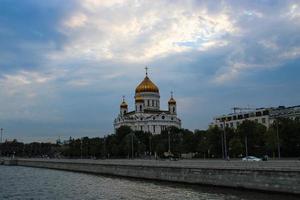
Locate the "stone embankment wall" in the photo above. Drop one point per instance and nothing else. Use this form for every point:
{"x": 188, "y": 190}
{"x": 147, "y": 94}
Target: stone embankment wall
{"x": 287, "y": 181}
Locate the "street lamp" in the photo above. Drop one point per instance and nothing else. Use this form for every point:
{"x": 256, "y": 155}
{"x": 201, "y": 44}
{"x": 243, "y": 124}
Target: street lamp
{"x": 1, "y": 134}
{"x": 1, "y": 141}
{"x": 225, "y": 144}
{"x": 246, "y": 145}
{"x": 104, "y": 145}
{"x": 80, "y": 148}
{"x": 132, "y": 145}
{"x": 150, "y": 150}
{"x": 277, "y": 135}
{"x": 169, "y": 141}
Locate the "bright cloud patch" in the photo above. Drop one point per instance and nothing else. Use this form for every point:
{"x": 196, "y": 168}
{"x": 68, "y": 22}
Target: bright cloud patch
{"x": 142, "y": 30}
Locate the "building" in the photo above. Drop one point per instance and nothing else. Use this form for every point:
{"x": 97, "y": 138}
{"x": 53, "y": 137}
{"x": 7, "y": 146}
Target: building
{"x": 291, "y": 112}
{"x": 147, "y": 115}
{"x": 265, "y": 116}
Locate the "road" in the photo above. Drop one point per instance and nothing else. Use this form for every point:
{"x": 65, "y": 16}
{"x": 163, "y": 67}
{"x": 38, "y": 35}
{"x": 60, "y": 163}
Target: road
{"x": 277, "y": 165}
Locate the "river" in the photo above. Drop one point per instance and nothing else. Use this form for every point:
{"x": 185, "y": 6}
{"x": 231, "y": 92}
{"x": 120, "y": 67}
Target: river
{"x": 33, "y": 183}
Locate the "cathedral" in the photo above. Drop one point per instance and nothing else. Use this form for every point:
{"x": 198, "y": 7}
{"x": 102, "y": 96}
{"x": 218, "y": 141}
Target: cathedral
{"x": 147, "y": 115}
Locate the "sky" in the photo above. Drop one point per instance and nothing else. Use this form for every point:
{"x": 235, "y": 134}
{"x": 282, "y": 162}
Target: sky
{"x": 65, "y": 64}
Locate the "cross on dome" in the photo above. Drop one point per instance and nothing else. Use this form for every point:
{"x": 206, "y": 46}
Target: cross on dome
{"x": 146, "y": 68}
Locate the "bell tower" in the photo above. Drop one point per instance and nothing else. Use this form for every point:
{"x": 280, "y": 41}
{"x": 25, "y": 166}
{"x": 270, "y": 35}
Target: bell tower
{"x": 172, "y": 105}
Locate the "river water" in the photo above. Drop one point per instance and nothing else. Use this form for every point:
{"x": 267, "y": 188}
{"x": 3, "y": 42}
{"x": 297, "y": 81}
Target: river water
{"x": 33, "y": 183}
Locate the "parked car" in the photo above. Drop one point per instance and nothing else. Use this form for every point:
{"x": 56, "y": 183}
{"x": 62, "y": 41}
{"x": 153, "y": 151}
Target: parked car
{"x": 251, "y": 158}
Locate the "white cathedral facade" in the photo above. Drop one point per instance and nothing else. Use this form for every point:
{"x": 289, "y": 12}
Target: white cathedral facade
{"x": 147, "y": 115}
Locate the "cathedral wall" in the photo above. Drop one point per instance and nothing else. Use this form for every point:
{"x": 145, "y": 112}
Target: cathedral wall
{"x": 151, "y": 100}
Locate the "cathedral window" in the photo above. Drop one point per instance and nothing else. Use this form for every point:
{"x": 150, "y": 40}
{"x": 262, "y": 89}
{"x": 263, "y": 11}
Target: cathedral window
{"x": 141, "y": 107}
{"x": 153, "y": 118}
{"x": 173, "y": 109}
{"x": 171, "y": 118}
{"x": 154, "y": 128}
{"x": 148, "y": 102}
{"x": 163, "y": 117}
{"x": 124, "y": 112}
{"x": 152, "y": 102}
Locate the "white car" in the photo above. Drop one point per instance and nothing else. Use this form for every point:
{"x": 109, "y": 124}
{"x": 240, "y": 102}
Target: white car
{"x": 251, "y": 158}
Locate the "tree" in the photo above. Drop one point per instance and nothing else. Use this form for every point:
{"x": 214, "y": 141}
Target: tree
{"x": 252, "y": 134}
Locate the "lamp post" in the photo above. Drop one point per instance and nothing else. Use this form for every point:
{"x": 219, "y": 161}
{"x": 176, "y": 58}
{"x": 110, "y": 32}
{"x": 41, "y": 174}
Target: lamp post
{"x": 169, "y": 141}
{"x": 1, "y": 141}
{"x": 277, "y": 135}
{"x": 225, "y": 143}
{"x": 104, "y": 145}
{"x": 1, "y": 134}
{"x": 246, "y": 145}
{"x": 80, "y": 148}
{"x": 150, "y": 150}
{"x": 222, "y": 142}
{"x": 132, "y": 150}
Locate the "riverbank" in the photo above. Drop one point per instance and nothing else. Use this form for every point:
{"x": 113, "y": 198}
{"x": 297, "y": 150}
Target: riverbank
{"x": 274, "y": 176}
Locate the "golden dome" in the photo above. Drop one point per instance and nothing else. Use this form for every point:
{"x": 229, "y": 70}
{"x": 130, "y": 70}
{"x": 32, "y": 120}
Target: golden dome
{"x": 139, "y": 98}
{"x": 146, "y": 86}
{"x": 123, "y": 105}
{"x": 172, "y": 101}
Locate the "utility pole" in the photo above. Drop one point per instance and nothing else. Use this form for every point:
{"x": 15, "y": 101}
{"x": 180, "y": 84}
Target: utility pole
{"x": 277, "y": 134}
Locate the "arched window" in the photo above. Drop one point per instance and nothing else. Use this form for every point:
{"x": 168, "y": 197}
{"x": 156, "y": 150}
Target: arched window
{"x": 141, "y": 107}
{"x": 173, "y": 109}
{"x": 148, "y": 102}
{"x": 124, "y": 112}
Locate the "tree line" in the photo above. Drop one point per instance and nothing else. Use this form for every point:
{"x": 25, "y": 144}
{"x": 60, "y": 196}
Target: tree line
{"x": 250, "y": 138}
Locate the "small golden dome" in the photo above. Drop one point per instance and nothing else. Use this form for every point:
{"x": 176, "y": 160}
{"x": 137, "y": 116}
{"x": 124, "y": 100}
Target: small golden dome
{"x": 146, "y": 86}
{"x": 139, "y": 98}
{"x": 124, "y": 105}
{"x": 172, "y": 101}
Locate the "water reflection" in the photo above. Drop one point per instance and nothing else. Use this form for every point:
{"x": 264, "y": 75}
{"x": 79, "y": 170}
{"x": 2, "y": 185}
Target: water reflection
{"x": 33, "y": 183}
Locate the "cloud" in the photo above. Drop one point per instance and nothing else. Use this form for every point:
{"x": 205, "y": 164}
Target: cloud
{"x": 68, "y": 61}
{"x": 138, "y": 31}
{"x": 265, "y": 41}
